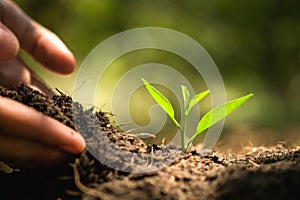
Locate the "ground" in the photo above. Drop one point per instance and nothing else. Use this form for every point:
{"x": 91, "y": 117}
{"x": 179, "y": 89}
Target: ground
{"x": 257, "y": 172}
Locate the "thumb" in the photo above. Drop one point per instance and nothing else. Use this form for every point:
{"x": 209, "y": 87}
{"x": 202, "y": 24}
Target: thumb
{"x": 9, "y": 44}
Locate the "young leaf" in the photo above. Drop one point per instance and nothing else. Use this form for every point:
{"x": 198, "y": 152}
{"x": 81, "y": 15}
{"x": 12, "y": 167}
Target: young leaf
{"x": 186, "y": 98}
{"x": 217, "y": 114}
{"x": 161, "y": 100}
{"x": 197, "y": 98}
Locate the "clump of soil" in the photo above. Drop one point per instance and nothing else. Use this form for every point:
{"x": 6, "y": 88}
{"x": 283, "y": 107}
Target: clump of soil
{"x": 259, "y": 172}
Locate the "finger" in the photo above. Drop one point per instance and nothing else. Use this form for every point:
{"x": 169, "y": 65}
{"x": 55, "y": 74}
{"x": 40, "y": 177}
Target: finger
{"x": 13, "y": 72}
{"x": 16, "y": 71}
{"x": 22, "y": 121}
{"x": 42, "y": 44}
{"x": 8, "y": 43}
{"x": 27, "y": 153}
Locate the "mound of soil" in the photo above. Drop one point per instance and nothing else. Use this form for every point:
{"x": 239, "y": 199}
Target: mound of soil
{"x": 259, "y": 172}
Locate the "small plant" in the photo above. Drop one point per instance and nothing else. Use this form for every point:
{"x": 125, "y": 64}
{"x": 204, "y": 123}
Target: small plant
{"x": 210, "y": 118}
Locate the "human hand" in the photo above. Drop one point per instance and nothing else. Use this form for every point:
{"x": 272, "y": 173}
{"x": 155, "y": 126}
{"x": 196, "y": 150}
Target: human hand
{"x": 29, "y": 138}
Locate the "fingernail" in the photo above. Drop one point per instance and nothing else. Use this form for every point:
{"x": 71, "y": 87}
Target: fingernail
{"x": 82, "y": 141}
{"x": 74, "y": 148}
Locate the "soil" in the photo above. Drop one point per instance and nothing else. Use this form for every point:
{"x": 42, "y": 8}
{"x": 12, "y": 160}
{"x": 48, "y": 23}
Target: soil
{"x": 258, "y": 172}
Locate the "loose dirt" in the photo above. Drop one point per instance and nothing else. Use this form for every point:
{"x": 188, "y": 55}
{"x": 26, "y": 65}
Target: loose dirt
{"x": 259, "y": 172}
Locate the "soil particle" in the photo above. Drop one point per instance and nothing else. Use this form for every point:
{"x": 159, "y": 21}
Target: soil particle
{"x": 258, "y": 172}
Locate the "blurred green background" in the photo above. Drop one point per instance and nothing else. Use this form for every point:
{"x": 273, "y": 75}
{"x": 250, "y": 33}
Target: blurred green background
{"x": 255, "y": 44}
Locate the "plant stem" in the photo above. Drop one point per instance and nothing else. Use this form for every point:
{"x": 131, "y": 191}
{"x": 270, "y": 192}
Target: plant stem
{"x": 183, "y": 134}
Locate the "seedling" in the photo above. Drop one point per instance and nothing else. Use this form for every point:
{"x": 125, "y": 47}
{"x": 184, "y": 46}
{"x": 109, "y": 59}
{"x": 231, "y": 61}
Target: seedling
{"x": 209, "y": 119}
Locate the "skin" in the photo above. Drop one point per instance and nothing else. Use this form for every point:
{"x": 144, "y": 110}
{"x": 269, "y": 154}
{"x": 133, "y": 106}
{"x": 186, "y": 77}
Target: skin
{"x": 27, "y": 137}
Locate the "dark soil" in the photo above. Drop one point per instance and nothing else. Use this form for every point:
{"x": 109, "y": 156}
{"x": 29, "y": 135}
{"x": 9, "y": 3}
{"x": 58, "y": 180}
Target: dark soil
{"x": 271, "y": 172}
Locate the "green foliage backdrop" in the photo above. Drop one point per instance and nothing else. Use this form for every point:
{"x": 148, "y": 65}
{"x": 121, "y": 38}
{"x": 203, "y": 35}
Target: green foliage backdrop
{"x": 255, "y": 44}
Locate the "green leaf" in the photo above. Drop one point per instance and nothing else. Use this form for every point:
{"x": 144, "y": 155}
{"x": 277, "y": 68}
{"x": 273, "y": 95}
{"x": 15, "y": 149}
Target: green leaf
{"x": 217, "y": 114}
{"x": 186, "y": 98}
{"x": 161, "y": 100}
{"x": 197, "y": 98}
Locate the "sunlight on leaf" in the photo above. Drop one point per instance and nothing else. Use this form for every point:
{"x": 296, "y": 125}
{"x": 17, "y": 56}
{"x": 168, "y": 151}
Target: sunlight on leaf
{"x": 186, "y": 98}
{"x": 217, "y": 114}
{"x": 161, "y": 100}
{"x": 197, "y": 98}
